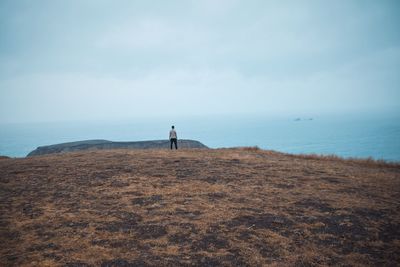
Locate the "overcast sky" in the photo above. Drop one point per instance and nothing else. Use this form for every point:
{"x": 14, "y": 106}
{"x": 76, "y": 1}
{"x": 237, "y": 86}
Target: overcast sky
{"x": 84, "y": 60}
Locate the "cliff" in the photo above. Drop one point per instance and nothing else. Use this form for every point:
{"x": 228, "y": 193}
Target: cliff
{"x": 105, "y": 144}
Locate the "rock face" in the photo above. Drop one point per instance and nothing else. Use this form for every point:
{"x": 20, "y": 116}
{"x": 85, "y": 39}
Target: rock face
{"x": 105, "y": 144}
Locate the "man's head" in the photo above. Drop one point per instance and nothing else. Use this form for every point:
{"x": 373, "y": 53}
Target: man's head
{"x": 173, "y": 127}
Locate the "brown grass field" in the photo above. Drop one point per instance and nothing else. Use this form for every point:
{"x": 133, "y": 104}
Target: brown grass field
{"x": 224, "y": 207}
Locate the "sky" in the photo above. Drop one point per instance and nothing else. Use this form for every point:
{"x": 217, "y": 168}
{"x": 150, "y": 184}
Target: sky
{"x": 115, "y": 59}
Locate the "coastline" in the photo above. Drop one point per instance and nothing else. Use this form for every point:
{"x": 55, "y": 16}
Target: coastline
{"x": 346, "y": 136}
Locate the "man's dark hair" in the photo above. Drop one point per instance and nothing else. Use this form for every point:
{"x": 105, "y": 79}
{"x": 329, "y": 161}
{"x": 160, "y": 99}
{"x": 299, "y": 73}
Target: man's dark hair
{"x": 173, "y": 126}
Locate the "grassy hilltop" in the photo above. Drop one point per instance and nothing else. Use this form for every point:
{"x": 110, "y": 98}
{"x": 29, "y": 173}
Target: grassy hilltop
{"x": 225, "y": 207}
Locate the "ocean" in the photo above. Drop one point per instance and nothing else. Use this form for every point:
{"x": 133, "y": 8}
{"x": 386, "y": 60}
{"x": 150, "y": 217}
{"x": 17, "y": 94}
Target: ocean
{"x": 347, "y": 136}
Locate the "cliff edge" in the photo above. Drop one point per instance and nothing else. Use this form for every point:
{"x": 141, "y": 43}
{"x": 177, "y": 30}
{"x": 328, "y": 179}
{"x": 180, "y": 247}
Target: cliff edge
{"x": 105, "y": 144}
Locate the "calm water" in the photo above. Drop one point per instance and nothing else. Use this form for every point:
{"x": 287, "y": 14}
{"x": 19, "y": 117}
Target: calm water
{"x": 350, "y": 136}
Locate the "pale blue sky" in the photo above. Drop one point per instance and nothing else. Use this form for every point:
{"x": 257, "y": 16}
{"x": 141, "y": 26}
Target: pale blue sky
{"x": 91, "y": 60}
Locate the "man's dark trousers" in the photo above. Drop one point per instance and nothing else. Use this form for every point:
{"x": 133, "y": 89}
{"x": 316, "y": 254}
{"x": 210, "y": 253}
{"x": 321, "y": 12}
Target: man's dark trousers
{"x": 175, "y": 141}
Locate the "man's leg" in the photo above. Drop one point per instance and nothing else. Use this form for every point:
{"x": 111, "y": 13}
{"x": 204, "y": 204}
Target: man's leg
{"x": 176, "y": 143}
{"x": 171, "y": 141}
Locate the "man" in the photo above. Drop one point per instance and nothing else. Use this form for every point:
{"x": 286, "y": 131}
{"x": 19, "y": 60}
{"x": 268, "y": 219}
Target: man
{"x": 173, "y": 137}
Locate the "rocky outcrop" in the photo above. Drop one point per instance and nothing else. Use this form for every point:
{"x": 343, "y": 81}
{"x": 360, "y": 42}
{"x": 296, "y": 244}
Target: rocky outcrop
{"x": 105, "y": 144}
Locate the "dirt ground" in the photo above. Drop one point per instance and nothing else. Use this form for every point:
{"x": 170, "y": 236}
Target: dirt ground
{"x": 225, "y": 207}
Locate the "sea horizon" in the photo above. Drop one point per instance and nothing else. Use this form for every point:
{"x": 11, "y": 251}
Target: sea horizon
{"x": 351, "y": 135}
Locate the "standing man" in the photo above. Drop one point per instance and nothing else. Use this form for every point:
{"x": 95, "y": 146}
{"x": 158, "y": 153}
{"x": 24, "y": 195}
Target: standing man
{"x": 173, "y": 137}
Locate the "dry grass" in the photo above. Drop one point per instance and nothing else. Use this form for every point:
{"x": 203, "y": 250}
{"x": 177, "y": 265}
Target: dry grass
{"x": 363, "y": 161}
{"x": 250, "y": 148}
{"x": 227, "y": 207}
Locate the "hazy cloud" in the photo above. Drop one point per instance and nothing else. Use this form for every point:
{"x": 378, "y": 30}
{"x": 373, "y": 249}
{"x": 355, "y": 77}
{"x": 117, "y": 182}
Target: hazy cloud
{"x": 66, "y": 60}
